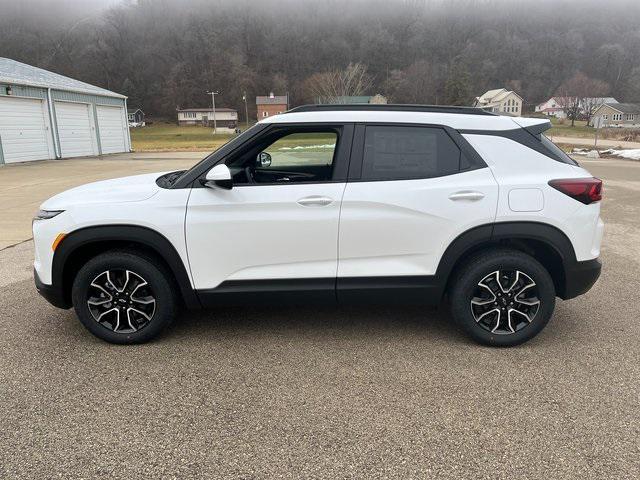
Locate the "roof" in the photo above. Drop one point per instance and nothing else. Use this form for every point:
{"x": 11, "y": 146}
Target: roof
{"x": 207, "y": 110}
{"x": 587, "y": 99}
{"x": 134, "y": 110}
{"x": 459, "y": 121}
{"x": 491, "y": 97}
{"x": 16, "y": 73}
{"x": 345, "y": 100}
{"x": 268, "y": 100}
{"x": 624, "y": 107}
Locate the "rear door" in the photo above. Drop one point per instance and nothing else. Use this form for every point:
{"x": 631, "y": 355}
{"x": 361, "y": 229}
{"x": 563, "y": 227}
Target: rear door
{"x": 277, "y": 228}
{"x": 412, "y": 190}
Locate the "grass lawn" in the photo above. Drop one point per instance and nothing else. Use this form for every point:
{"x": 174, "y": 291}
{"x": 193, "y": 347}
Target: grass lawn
{"x": 580, "y": 130}
{"x": 171, "y": 137}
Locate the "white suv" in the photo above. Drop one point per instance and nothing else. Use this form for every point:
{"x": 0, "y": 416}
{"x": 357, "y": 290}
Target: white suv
{"x": 353, "y": 203}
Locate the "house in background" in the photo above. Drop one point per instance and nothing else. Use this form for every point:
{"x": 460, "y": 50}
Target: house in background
{"x": 135, "y": 117}
{"x": 226, "y": 119}
{"x": 554, "y": 107}
{"x": 616, "y": 115}
{"x": 501, "y": 101}
{"x": 352, "y": 100}
{"x": 270, "y": 105}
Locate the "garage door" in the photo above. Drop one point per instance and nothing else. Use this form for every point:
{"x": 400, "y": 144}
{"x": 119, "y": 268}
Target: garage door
{"x": 112, "y": 128}
{"x": 24, "y": 130}
{"x": 75, "y": 129}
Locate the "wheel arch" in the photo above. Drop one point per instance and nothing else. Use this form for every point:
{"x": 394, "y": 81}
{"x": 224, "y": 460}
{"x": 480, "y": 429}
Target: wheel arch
{"x": 546, "y": 243}
{"x": 83, "y": 244}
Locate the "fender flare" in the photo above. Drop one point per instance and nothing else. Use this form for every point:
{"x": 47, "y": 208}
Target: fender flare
{"x": 493, "y": 233}
{"x": 125, "y": 233}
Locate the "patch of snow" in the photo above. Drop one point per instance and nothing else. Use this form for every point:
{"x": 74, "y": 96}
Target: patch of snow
{"x": 630, "y": 154}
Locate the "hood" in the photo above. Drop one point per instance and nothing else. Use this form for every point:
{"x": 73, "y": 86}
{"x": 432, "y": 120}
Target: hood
{"x": 119, "y": 190}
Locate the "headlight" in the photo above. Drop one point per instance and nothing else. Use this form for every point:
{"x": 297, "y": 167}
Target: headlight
{"x": 47, "y": 214}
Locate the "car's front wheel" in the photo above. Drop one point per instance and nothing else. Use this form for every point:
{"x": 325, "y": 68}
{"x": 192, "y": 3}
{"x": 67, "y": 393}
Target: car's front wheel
{"x": 123, "y": 297}
{"x": 502, "y": 297}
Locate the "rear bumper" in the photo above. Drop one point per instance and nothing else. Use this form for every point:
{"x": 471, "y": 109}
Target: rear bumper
{"x": 580, "y": 277}
{"x": 50, "y": 293}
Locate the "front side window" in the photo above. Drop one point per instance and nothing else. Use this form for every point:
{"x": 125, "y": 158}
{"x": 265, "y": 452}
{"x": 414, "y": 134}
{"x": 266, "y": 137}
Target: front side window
{"x": 299, "y": 157}
{"x": 404, "y": 153}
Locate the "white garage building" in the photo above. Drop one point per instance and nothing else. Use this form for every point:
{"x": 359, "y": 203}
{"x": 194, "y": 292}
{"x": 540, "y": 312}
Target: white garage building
{"x": 44, "y": 115}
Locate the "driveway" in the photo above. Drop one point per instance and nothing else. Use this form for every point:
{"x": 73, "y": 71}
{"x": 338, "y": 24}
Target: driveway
{"x": 23, "y": 187}
{"x": 369, "y": 392}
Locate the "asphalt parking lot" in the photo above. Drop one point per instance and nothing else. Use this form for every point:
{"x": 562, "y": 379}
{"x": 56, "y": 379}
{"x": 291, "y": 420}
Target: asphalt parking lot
{"x": 330, "y": 393}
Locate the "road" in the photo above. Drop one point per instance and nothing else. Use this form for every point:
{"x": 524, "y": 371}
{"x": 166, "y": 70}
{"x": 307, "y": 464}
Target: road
{"x": 331, "y": 393}
{"x": 588, "y": 142}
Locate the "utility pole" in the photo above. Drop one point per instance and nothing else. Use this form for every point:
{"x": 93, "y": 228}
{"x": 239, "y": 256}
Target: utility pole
{"x": 246, "y": 110}
{"x": 213, "y": 104}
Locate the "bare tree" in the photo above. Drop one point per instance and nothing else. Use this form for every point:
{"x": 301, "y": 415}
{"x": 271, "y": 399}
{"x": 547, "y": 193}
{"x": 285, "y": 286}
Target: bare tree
{"x": 579, "y": 96}
{"x": 329, "y": 87}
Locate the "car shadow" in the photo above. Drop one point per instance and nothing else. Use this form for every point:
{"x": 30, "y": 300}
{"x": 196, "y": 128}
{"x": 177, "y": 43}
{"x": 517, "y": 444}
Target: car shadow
{"x": 434, "y": 323}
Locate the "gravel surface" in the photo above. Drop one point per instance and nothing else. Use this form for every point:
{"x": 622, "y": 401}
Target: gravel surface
{"x": 331, "y": 393}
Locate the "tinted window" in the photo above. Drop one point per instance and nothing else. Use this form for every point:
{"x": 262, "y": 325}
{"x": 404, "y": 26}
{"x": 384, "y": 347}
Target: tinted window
{"x": 556, "y": 151}
{"x": 395, "y": 153}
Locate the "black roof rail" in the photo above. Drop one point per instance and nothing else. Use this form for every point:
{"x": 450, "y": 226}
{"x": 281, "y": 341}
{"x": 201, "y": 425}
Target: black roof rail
{"x": 390, "y": 108}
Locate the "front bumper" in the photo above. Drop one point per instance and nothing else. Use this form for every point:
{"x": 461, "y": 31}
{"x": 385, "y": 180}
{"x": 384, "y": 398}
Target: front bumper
{"x": 580, "y": 277}
{"x": 51, "y": 294}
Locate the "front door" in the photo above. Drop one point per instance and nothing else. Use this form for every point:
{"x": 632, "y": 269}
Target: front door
{"x": 277, "y": 228}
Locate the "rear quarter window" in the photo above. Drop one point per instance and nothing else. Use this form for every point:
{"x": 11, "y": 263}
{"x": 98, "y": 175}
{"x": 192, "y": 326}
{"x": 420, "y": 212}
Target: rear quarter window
{"x": 556, "y": 151}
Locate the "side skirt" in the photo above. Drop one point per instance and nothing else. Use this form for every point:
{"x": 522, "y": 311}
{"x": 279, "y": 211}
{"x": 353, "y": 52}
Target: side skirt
{"x": 322, "y": 291}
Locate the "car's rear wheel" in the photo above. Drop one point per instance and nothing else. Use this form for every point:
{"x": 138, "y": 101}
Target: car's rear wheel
{"x": 123, "y": 297}
{"x": 502, "y": 297}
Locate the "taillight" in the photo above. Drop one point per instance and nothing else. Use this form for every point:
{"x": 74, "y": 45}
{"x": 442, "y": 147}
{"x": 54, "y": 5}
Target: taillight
{"x": 585, "y": 190}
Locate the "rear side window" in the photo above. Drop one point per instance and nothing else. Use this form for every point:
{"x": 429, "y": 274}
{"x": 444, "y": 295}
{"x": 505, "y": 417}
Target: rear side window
{"x": 556, "y": 152}
{"x": 404, "y": 153}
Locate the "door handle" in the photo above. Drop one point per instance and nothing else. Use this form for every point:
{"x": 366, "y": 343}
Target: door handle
{"x": 315, "y": 201}
{"x": 467, "y": 195}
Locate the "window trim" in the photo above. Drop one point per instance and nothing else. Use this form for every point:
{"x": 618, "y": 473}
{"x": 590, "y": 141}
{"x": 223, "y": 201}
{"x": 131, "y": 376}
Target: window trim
{"x": 357, "y": 151}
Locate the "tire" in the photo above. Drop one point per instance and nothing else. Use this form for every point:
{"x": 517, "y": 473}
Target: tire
{"x": 500, "y": 309}
{"x": 124, "y": 297}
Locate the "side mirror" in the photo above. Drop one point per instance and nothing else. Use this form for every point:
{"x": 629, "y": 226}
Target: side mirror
{"x": 264, "y": 159}
{"x": 219, "y": 176}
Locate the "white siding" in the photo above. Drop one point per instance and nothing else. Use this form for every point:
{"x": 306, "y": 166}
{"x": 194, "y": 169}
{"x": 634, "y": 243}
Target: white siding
{"x": 24, "y": 130}
{"x": 75, "y": 129}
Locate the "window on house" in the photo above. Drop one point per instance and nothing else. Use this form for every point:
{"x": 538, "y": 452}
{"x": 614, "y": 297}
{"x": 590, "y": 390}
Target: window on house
{"x": 265, "y": 114}
{"x": 617, "y": 117}
{"x": 630, "y": 116}
{"x": 605, "y": 117}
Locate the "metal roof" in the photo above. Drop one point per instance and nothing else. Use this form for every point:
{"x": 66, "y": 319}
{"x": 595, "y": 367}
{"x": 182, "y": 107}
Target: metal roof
{"x": 16, "y": 73}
